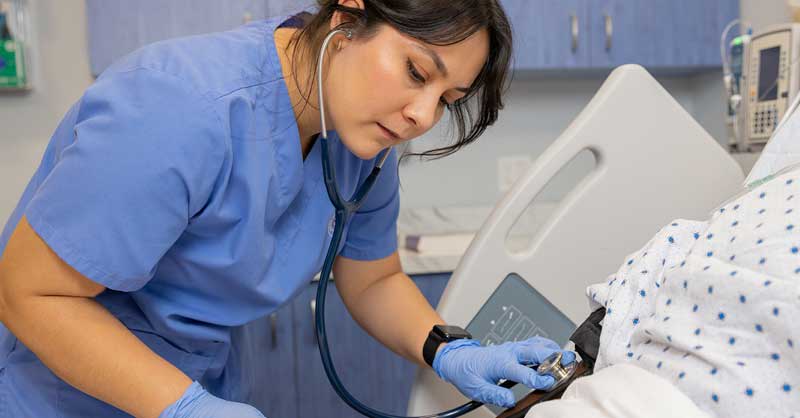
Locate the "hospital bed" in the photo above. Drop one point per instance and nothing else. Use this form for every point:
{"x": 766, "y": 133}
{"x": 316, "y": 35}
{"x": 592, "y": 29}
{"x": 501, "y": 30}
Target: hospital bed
{"x": 653, "y": 163}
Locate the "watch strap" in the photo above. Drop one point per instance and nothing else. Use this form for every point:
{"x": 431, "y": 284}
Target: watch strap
{"x": 441, "y": 334}
{"x": 430, "y": 347}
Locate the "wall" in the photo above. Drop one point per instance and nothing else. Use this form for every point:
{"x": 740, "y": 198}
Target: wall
{"x": 762, "y": 13}
{"x": 537, "y": 111}
{"x": 60, "y": 74}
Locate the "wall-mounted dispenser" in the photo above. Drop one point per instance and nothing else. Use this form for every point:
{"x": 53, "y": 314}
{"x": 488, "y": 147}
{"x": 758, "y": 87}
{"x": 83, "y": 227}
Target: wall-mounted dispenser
{"x": 14, "y": 45}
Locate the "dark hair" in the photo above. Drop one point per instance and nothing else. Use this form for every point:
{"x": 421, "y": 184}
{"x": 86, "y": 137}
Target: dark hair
{"x": 436, "y": 22}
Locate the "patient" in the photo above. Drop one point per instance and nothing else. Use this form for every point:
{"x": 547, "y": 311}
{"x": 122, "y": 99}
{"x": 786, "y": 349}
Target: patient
{"x": 711, "y": 307}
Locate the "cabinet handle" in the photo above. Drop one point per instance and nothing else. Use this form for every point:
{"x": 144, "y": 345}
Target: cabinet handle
{"x": 575, "y": 31}
{"x": 609, "y": 32}
{"x": 273, "y": 329}
{"x": 314, "y": 319}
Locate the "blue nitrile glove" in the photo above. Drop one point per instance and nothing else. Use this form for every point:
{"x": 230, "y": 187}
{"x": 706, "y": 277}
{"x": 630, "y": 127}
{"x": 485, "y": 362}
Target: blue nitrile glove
{"x": 196, "y": 402}
{"x": 475, "y": 370}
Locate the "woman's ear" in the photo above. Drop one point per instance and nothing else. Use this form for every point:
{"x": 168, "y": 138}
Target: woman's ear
{"x": 340, "y": 18}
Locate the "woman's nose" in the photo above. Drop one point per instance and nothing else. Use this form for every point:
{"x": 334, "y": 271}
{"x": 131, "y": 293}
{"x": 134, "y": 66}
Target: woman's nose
{"x": 422, "y": 112}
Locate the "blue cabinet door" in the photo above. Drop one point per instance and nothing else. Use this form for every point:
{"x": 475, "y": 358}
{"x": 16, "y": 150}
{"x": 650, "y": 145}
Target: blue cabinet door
{"x": 264, "y": 351}
{"x": 118, "y": 27}
{"x": 191, "y": 17}
{"x": 659, "y": 33}
{"x": 432, "y": 286}
{"x": 372, "y": 373}
{"x": 678, "y": 29}
{"x": 549, "y": 34}
{"x": 285, "y": 7}
{"x": 622, "y": 32}
{"x": 689, "y": 31}
{"x": 716, "y": 15}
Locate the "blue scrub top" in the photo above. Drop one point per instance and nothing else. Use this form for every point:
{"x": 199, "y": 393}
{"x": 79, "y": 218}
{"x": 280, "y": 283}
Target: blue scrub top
{"x": 177, "y": 182}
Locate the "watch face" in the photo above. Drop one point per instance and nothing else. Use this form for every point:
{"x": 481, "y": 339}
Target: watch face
{"x": 451, "y": 332}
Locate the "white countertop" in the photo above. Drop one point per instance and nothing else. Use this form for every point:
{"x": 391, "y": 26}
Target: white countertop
{"x": 458, "y": 225}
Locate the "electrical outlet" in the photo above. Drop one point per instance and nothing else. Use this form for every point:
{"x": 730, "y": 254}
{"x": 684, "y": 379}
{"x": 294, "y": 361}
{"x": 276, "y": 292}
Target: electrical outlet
{"x": 510, "y": 168}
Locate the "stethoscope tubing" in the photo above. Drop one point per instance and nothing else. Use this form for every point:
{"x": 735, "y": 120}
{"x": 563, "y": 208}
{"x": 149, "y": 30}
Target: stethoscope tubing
{"x": 344, "y": 210}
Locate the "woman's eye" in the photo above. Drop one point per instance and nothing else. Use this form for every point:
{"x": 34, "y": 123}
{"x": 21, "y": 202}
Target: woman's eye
{"x": 414, "y": 73}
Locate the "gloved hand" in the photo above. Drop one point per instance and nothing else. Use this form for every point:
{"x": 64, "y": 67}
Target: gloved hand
{"x": 475, "y": 370}
{"x": 196, "y": 402}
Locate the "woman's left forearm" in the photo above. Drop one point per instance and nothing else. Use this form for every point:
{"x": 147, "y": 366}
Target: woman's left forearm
{"x": 395, "y": 312}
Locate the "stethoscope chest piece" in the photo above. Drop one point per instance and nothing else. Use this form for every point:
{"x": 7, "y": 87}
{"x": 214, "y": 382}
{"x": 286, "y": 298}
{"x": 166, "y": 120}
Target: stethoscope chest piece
{"x": 552, "y": 366}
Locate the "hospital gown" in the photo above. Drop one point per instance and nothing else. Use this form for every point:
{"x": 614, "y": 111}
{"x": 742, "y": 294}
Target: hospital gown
{"x": 711, "y": 306}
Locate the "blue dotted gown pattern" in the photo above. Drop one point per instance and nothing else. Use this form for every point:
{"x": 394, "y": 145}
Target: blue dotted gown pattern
{"x": 711, "y": 305}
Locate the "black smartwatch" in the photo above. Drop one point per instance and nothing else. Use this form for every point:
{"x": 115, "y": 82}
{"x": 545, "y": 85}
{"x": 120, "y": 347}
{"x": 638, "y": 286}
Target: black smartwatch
{"x": 438, "y": 335}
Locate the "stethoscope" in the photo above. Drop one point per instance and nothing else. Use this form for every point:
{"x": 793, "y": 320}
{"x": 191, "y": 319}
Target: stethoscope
{"x": 345, "y": 209}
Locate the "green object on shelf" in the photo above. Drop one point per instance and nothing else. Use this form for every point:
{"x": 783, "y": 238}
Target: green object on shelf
{"x": 12, "y": 65}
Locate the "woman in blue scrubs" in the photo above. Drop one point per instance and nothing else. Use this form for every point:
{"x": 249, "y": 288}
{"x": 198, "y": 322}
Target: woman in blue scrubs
{"x": 182, "y": 196}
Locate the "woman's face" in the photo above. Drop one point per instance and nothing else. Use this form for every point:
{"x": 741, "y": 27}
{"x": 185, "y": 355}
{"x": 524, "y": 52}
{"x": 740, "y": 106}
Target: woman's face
{"x": 392, "y": 88}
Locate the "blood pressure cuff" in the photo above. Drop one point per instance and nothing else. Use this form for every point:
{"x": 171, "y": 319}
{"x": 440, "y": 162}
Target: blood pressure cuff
{"x": 587, "y": 343}
{"x": 587, "y": 337}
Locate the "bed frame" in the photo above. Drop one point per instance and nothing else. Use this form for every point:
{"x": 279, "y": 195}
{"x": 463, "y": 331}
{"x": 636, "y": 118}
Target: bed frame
{"x": 654, "y": 163}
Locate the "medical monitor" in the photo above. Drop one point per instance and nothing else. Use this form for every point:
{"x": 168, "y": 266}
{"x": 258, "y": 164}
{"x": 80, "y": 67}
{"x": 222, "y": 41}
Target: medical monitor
{"x": 771, "y": 78}
{"x": 768, "y": 73}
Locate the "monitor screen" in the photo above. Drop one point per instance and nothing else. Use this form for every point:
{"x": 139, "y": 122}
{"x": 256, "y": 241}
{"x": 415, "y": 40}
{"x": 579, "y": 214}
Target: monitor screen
{"x": 768, "y": 74}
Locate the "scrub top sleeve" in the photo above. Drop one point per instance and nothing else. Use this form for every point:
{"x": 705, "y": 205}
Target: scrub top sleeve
{"x": 372, "y": 234}
{"x": 146, "y": 153}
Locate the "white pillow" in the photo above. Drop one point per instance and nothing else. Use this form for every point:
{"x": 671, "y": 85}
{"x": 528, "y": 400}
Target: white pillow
{"x": 619, "y": 391}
